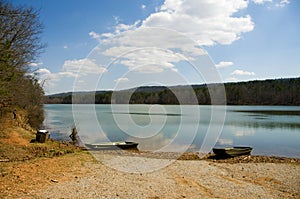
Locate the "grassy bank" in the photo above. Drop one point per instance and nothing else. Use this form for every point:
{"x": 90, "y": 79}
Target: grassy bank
{"x": 18, "y": 144}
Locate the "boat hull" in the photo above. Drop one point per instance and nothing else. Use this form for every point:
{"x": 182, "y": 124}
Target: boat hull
{"x": 232, "y": 151}
{"x": 112, "y": 146}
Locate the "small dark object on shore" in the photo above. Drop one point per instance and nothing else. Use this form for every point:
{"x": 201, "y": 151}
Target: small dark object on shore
{"x": 15, "y": 114}
{"x": 74, "y": 136}
{"x": 42, "y": 136}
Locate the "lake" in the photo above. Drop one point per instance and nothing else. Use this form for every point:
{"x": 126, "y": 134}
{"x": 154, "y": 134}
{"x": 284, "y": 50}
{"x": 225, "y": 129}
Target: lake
{"x": 270, "y": 130}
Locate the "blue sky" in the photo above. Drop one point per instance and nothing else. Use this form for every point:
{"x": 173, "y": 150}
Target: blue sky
{"x": 117, "y": 44}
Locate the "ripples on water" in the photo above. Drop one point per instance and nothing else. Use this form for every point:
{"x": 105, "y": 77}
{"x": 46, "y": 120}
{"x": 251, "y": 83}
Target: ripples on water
{"x": 270, "y": 130}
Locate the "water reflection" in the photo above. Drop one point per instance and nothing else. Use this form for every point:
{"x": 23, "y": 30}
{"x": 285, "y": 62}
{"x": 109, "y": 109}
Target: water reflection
{"x": 171, "y": 129}
{"x": 244, "y": 132}
{"x": 269, "y": 119}
{"x": 263, "y": 123}
{"x": 225, "y": 142}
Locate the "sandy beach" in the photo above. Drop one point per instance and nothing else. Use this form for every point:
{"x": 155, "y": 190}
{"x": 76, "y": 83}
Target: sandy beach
{"x": 80, "y": 175}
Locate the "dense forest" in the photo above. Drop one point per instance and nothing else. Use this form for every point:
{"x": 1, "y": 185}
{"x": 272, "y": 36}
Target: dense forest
{"x": 265, "y": 92}
{"x": 20, "y": 45}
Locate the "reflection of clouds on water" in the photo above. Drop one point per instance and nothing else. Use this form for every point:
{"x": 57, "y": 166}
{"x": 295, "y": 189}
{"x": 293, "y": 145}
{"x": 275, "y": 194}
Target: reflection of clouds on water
{"x": 93, "y": 138}
{"x": 161, "y": 143}
{"x": 153, "y": 143}
{"x": 244, "y": 132}
{"x": 234, "y": 135}
{"x": 223, "y": 141}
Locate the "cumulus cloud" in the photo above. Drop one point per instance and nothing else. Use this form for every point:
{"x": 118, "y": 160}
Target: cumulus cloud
{"x": 70, "y": 69}
{"x": 43, "y": 71}
{"x": 84, "y": 66}
{"x": 282, "y": 3}
{"x": 207, "y": 22}
{"x": 51, "y": 78}
{"x": 172, "y": 25}
{"x": 261, "y": 1}
{"x": 151, "y": 50}
{"x": 150, "y": 60}
{"x": 33, "y": 64}
{"x": 94, "y": 35}
{"x": 224, "y": 64}
{"x": 143, "y": 6}
{"x": 122, "y": 80}
{"x": 242, "y": 72}
{"x": 276, "y": 3}
{"x": 48, "y": 78}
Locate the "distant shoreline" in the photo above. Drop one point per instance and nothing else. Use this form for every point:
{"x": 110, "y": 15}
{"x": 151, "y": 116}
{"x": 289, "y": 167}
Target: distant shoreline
{"x": 277, "y": 92}
{"x": 271, "y": 112}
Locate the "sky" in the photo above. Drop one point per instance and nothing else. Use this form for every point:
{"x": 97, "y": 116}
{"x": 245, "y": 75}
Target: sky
{"x": 120, "y": 44}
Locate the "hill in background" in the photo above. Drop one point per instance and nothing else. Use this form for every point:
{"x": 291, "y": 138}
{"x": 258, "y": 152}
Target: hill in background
{"x": 264, "y": 92}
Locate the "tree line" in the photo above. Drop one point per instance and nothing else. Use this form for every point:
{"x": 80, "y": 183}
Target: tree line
{"x": 20, "y": 45}
{"x": 264, "y": 92}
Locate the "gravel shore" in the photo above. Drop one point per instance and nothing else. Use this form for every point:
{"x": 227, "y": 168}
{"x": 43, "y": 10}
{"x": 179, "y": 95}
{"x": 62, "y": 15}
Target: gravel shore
{"x": 81, "y": 176}
{"x": 57, "y": 170}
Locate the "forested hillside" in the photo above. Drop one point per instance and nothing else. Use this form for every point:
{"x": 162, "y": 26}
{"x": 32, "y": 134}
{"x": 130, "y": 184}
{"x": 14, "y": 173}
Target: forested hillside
{"x": 266, "y": 92}
{"x": 20, "y": 45}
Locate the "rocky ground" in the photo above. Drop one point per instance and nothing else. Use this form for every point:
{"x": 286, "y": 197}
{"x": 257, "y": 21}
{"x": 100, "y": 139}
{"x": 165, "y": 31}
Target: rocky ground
{"x": 80, "y": 175}
{"x": 56, "y": 170}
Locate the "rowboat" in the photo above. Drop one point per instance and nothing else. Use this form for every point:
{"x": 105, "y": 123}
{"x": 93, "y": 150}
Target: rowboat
{"x": 232, "y": 151}
{"x": 112, "y": 145}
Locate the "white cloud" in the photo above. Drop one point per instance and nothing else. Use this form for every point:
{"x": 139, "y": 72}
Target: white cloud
{"x": 175, "y": 24}
{"x": 261, "y": 1}
{"x": 143, "y": 6}
{"x": 84, "y": 66}
{"x": 45, "y": 74}
{"x": 70, "y": 69}
{"x": 153, "y": 58}
{"x": 122, "y": 79}
{"x": 207, "y": 22}
{"x": 153, "y": 37}
{"x": 118, "y": 50}
{"x": 282, "y": 3}
{"x": 94, "y": 35}
{"x": 125, "y": 27}
{"x": 224, "y": 64}
{"x": 242, "y": 72}
{"x": 65, "y": 47}
{"x": 117, "y": 19}
{"x": 35, "y": 64}
{"x": 276, "y": 3}
{"x": 47, "y": 78}
{"x": 150, "y": 60}
{"x": 43, "y": 71}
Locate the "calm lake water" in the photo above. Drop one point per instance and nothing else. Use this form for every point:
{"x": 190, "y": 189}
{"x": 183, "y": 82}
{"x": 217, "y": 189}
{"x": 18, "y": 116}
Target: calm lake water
{"x": 270, "y": 130}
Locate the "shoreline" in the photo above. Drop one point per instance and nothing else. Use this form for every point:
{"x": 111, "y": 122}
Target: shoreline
{"x": 263, "y": 157}
{"x": 186, "y": 156}
{"x": 64, "y": 173}
{"x": 79, "y": 175}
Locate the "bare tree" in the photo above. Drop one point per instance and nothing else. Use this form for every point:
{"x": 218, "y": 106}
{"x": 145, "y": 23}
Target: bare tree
{"x": 20, "y": 45}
